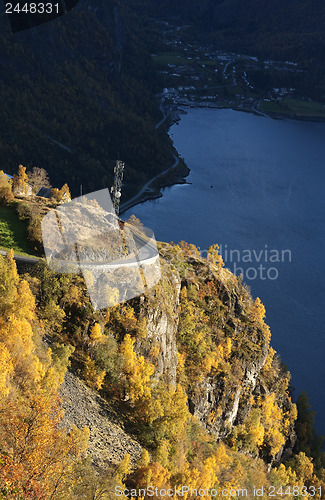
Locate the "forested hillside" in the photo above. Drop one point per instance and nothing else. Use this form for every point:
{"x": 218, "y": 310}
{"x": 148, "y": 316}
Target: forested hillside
{"x": 282, "y": 30}
{"x": 187, "y": 371}
{"x": 77, "y": 94}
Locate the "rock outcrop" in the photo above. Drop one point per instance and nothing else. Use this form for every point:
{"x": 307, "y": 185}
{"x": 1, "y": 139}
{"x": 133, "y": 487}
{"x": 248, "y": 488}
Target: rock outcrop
{"x": 161, "y": 310}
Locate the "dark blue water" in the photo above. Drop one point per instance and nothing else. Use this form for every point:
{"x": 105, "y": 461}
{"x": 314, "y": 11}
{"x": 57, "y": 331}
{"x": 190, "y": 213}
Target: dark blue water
{"x": 268, "y": 196}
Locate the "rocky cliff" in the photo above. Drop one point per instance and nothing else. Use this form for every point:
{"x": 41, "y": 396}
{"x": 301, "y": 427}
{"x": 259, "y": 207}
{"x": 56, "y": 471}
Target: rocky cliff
{"x": 162, "y": 317}
{"x": 203, "y": 332}
{"x": 222, "y": 398}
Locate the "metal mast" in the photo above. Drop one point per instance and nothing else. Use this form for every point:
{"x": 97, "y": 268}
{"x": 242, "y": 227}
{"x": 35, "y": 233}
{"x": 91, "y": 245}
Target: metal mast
{"x": 116, "y": 190}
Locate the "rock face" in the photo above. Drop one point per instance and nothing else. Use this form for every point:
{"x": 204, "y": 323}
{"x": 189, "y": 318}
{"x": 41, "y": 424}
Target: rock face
{"x": 225, "y": 398}
{"x": 108, "y": 442}
{"x": 161, "y": 308}
{"x": 222, "y": 399}
{"x": 212, "y": 396}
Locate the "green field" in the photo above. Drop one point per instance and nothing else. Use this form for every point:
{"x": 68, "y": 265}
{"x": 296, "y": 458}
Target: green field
{"x": 294, "y": 108}
{"x": 305, "y": 108}
{"x": 13, "y": 232}
{"x": 275, "y": 107}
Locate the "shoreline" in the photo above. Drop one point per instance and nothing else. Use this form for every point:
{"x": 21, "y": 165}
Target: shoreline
{"x": 171, "y": 116}
{"x": 254, "y": 110}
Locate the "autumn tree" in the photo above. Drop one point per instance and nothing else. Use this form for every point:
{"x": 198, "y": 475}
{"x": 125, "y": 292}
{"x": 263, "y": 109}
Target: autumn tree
{"x": 38, "y": 178}
{"x": 17, "y": 318}
{"x": 8, "y": 284}
{"x": 137, "y": 371}
{"x": 277, "y": 424}
{"x": 89, "y": 483}
{"x": 62, "y": 195}
{"x": 257, "y": 315}
{"x": 153, "y": 474}
{"x": 165, "y": 414}
{"x": 20, "y": 181}
{"x": 214, "y": 256}
{"x": 96, "y": 333}
{"x": 6, "y": 370}
{"x": 59, "y": 358}
{"x": 92, "y": 374}
{"x": 33, "y": 449}
{"x": 6, "y": 195}
{"x": 134, "y": 221}
{"x": 257, "y": 312}
{"x": 249, "y": 435}
{"x": 123, "y": 469}
{"x": 128, "y": 319}
{"x": 36, "y": 457}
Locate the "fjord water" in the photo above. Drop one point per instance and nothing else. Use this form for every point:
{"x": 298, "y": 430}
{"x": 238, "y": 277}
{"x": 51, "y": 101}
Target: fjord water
{"x": 258, "y": 184}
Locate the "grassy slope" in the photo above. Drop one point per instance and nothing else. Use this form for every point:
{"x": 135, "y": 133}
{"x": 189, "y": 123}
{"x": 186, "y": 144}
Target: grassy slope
{"x": 13, "y": 232}
{"x": 305, "y": 108}
{"x": 295, "y": 108}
